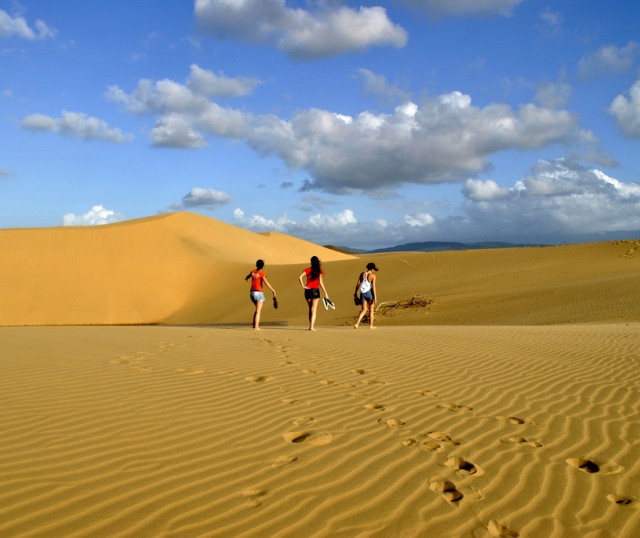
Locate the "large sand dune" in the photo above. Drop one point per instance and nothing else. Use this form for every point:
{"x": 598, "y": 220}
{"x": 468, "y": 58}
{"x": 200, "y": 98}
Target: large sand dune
{"x": 184, "y": 268}
{"x": 137, "y": 272}
{"x": 499, "y": 396}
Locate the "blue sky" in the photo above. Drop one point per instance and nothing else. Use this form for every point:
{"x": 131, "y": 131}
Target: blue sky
{"x": 365, "y": 124}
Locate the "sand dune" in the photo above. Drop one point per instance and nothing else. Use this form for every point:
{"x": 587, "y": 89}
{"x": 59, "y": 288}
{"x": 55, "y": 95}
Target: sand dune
{"x": 137, "y": 272}
{"x": 188, "y": 269}
{"x": 498, "y": 397}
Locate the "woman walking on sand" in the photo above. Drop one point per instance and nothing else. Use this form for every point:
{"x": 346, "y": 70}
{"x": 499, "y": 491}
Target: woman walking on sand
{"x": 312, "y": 289}
{"x": 366, "y": 285}
{"x": 258, "y": 278}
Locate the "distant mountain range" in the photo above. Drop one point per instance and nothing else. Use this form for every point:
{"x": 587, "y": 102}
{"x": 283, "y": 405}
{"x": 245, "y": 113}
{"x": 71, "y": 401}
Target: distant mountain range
{"x": 436, "y": 246}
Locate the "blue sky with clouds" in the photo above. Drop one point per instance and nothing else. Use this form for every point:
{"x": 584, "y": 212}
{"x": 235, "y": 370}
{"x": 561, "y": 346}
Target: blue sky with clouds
{"x": 365, "y": 124}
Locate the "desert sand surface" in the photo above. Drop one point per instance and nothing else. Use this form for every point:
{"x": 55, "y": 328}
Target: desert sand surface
{"x": 499, "y": 395}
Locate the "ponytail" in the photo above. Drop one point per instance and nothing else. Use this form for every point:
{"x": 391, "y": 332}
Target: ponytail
{"x": 316, "y": 270}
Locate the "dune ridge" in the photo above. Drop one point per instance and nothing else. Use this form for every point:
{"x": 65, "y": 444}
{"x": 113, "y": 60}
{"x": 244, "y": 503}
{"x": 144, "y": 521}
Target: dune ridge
{"x": 143, "y": 271}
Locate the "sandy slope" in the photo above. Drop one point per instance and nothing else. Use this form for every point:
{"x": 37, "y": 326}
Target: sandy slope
{"x": 142, "y": 271}
{"x": 498, "y": 397}
{"x": 188, "y": 269}
{"x": 404, "y": 432}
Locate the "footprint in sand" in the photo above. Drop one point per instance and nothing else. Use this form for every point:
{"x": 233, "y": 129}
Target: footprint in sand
{"x": 521, "y": 441}
{"x": 283, "y": 460}
{"x": 428, "y": 393}
{"x": 293, "y": 401}
{"x": 498, "y": 530}
{"x": 392, "y": 422}
{"x": 463, "y": 466}
{"x": 303, "y": 421}
{"x": 622, "y": 500}
{"x": 443, "y": 438}
{"x": 310, "y": 372}
{"x": 375, "y": 407}
{"x": 585, "y": 465}
{"x": 455, "y": 407}
{"x": 432, "y": 446}
{"x": 409, "y": 442}
{"x": 142, "y": 369}
{"x": 447, "y": 489}
{"x": 347, "y": 385}
{"x": 259, "y": 378}
{"x": 358, "y": 371}
{"x": 326, "y": 382}
{"x": 254, "y": 496}
{"x": 373, "y": 382}
{"x": 512, "y": 420}
{"x": 591, "y": 467}
{"x": 308, "y": 438}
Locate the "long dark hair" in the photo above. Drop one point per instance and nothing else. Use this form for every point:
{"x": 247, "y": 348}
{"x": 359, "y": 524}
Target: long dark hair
{"x": 259, "y": 264}
{"x": 315, "y": 268}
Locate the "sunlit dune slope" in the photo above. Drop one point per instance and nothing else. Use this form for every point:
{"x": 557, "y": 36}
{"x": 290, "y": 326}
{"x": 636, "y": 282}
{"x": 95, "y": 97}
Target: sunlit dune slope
{"x": 137, "y": 272}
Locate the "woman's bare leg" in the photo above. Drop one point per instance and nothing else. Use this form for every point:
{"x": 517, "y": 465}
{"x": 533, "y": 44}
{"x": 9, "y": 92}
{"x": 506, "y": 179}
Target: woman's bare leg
{"x": 361, "y": 314}
{"x": 256, "y": 316}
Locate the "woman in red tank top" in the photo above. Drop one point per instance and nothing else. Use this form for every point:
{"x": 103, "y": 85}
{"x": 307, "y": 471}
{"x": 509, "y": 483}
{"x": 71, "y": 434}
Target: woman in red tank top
{"x": 312, "y": 288}
{"x": 258, "y": 278}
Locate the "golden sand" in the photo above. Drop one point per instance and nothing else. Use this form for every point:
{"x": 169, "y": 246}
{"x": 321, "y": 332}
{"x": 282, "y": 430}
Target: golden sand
{"x": 498, "y": 397}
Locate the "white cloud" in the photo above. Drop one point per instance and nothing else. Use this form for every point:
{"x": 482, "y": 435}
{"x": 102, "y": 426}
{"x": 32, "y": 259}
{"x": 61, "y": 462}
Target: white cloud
{"x": 609, "y": 59}
{"x": 553, "y": 94}
{"x": 462, "y": 8}
{"x": 626, "y": 111}
{"x": 483, "y": 190}
{"x": 98, "y": 214}
{"x": 335, "y": 220}
{"x": 16, "y": 26}
{"x": 556, "y": 199}
{"x": 185, "y": 111}
{"x": 378, "y": 85}
{"x": 419, "y": 220}
{"x": 176, "y": 131}
{"x": 328, "y": 31}
{"x": 204, "y": 82}
{"x": 260, "y": 223}
{"x": 76, "y": 124}
{"x": 203, "y": 198}
{"x": 445, "y": 139}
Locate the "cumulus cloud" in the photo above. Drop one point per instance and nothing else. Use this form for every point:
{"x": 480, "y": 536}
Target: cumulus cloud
{"x": 205, "y": 82}
{"x": 608, "y": 60}
{"x": 17, "y": 26}
{"x": 302, "y": 34}
{"x": 444, "y": 139}
{"x": 98, "y": 214}
{"x": 626, "y": 111}
{"x": 463, "y": 8}
{"x": 419, "y": 220}
{"x": 77, "y": 125}
{"x": 379, "y": 86}
{"x": 556, "y": 199}
{"x": 199, "y": 198}
{"x": 260, "y": 223}
{"x": 553, "y": 94}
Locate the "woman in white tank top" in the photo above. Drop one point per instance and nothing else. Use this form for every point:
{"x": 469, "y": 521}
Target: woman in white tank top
{"x": 366, "y": 285}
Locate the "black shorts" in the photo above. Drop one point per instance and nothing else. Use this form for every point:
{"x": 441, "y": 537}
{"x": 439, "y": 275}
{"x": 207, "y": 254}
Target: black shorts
{"x": 312, "y": 293}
